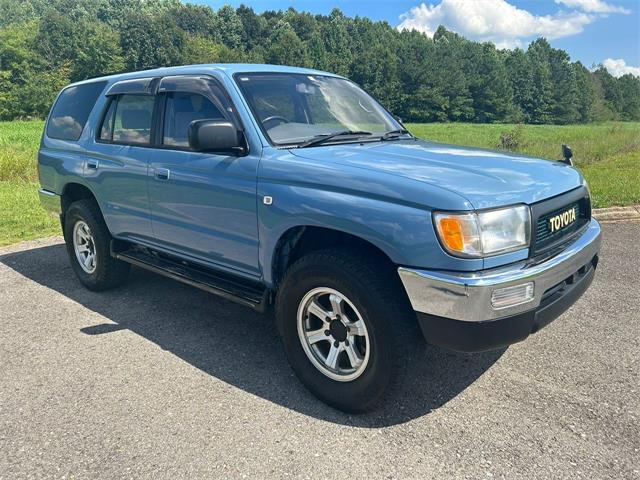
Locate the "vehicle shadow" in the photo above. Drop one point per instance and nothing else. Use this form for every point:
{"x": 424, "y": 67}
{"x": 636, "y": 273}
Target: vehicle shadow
{"x": 238, "y": 346}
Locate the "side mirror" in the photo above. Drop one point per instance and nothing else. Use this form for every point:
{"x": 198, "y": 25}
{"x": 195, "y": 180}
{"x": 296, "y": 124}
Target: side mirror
{"x": 215, "y": 136}
{"x": 567, "y": 153}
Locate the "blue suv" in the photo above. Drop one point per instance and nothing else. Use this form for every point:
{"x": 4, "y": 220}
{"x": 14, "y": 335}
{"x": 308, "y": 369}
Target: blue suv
{"x": 293, "y": 190}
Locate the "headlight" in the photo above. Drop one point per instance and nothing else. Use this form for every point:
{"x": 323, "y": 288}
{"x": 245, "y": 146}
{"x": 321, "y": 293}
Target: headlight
{"x": 484, "y": 233}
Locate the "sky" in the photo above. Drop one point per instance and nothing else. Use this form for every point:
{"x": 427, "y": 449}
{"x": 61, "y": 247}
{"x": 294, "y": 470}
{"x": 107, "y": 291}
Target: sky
{"x": 593, "y": 31}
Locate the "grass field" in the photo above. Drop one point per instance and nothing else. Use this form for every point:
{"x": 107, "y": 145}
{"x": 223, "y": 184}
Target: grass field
{"x": 608, "y": 154}
{"x": 21, "y": 217}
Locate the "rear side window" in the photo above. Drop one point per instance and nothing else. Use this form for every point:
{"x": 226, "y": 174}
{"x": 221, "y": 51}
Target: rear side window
{"x": 182, "y": 109}
{"x": 128, "y": 120}
{"x": 70, "y": 113}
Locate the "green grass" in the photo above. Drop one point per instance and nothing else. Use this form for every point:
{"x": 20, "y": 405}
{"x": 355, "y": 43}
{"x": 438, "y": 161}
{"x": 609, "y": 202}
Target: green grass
{"x": 608, "y": 154}
{"x": 19, "y": 143}
{"x": 21, "y": 216}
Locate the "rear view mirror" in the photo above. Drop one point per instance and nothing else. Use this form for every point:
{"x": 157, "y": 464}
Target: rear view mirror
{"x": 215, "y": 136}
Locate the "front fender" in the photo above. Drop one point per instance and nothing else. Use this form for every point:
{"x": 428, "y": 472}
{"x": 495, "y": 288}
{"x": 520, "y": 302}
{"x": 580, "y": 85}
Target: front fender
{"x": 404, "y": 233}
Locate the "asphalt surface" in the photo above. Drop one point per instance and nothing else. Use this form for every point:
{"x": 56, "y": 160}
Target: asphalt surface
{"x": 159, "y": 380}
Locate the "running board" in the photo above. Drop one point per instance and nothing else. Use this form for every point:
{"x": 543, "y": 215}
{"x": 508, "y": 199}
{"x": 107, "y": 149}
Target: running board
{"x": 248, "y": 294}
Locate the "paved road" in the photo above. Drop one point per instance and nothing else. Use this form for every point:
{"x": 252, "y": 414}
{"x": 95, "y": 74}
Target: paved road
{"x": 158, "y": 380}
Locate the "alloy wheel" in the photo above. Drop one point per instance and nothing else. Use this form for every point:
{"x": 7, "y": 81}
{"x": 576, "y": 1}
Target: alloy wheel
{"x": 333, "y": 334}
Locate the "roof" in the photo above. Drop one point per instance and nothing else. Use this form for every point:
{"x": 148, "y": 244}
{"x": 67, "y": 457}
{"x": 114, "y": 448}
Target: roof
{"x": 228, "y": 68}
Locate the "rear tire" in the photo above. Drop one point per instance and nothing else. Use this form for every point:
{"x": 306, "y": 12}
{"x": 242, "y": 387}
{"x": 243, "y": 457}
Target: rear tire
{"x": 87, "y": 238}
{"x": 347, "y": 368}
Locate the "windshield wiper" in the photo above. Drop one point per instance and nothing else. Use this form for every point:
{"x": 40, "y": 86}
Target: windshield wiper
{"x": 325, "y": 137}
{"x": 393, "y": 134}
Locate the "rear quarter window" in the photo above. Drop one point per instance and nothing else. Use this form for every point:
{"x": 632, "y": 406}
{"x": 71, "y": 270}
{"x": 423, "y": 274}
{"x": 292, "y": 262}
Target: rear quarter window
{"x": 71, "y": 111}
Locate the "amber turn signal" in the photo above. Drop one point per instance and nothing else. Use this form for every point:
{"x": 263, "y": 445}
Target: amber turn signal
{"x": 459, "y": 233}
{"x": 451, "y": 230}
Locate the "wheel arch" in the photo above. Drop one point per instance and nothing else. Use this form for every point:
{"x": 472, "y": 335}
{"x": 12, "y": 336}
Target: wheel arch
{"x": 74, "y": 191}
{"x": 302, "y": 239}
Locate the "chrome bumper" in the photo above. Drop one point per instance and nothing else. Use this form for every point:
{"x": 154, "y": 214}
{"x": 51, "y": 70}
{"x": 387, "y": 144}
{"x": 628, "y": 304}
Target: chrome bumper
{"x": 467, "y": 296}
{"x": 52, "y": 202}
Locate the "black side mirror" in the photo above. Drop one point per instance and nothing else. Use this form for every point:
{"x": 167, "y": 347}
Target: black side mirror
{"x": 567, "y": 153}
{"x": 215, "y": 136}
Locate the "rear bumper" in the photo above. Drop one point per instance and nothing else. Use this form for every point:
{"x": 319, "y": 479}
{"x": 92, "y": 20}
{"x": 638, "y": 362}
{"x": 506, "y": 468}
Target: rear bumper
{"x": 455, "y": 309}
{"x": 50, "y": 201}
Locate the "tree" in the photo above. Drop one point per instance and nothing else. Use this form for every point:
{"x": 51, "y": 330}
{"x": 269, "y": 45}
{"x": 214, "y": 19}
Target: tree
{"x": 317, "y": 52}
{"x": 607, "y": 84}
{"x": 565, "y": 92}
{"x": 489, "y": 85}
{"x": 417, "y": 52}
{"x": 304, "y": 24}
{"x": 542, "y": 86}
{"x": 149, "y": 42}
{"x": 520, "y": 74}
{"x": 629, "y": 87}
{"x": 285, "y": 47}
{"x": 27, "y": 84}
{"x": 196, "y": 20}
{"x": 98, "y": 53}
{"x": 253, "y": 27}
{"x": 336, "y": 39}
{"x": 586, "y": 93}
{"x": 443, "y": 78}
{"x": 450, "y": 78}
{"x": 229, "y": 27}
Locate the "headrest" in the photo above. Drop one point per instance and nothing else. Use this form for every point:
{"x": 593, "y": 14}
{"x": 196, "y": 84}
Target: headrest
{"x": 136, "y": 119}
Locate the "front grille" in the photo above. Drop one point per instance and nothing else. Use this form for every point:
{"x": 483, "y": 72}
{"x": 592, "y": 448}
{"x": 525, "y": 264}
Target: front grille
{"x": 544, "y": 241}
{"x": 545, "y": 236}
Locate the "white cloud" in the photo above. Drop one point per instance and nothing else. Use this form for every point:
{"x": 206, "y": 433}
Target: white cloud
{"x": 618, "y": 67}
{"x": 493, "y": 20}
{"x": 594, "y": 6}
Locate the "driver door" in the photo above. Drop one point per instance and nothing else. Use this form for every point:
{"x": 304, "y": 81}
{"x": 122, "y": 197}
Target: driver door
{"x": 203, "y": 205}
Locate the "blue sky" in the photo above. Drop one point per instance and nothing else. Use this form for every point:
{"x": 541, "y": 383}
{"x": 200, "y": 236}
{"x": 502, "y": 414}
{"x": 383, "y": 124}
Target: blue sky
{"x": 592, "y": 31}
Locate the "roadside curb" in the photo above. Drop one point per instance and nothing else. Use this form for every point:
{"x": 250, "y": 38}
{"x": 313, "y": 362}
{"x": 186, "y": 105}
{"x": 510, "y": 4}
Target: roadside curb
{"x": 29, "y": 244}
{"x": 614, "y": 214}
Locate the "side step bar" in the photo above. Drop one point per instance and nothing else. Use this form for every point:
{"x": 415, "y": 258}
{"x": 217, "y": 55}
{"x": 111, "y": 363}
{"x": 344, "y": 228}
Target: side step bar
{"x": 248, "y": 294}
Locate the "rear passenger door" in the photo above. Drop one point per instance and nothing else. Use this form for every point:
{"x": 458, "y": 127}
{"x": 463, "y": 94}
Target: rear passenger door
{"x": 118, "y": 159}
{"x": 203, "y": 205}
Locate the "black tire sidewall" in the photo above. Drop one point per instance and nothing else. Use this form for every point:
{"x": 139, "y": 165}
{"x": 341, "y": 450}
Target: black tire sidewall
{"x": 363, "y": 392}
{"x": 85, "y": 211}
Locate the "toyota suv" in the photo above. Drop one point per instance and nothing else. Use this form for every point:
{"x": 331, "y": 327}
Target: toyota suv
{"x": 293, "y": 191}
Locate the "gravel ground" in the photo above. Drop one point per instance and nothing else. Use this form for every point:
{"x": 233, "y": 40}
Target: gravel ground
{"x": 159, "y": 380}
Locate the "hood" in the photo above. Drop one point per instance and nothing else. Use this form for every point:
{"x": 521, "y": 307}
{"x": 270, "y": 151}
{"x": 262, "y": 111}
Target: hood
{"x": 485, "y": 178}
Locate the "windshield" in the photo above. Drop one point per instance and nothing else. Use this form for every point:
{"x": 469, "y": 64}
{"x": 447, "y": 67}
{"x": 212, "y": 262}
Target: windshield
{"x": 295, "y": 108}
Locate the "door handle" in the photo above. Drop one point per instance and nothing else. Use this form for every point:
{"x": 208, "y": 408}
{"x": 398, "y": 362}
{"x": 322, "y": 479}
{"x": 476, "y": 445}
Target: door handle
{"x": 92, "y": 164}
{"x": 162, "y": 173}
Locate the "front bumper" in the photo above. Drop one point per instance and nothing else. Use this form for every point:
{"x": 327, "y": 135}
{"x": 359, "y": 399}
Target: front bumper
{"x": 51, "y": 202}
{"x": 454, "y": 308}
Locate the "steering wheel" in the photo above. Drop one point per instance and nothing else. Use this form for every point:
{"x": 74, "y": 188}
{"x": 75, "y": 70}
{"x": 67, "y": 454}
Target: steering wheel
{"x": 274, "y": 118}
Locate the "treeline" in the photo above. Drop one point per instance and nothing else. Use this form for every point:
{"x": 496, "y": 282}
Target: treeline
{"x": 45, "y": 44}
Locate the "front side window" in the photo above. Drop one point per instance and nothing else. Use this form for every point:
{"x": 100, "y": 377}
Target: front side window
{"x": 295, "y": 108}
{"x": 128, "y": 120}
{"x": 181, "y": 109}
{"x": 71, "y": 111}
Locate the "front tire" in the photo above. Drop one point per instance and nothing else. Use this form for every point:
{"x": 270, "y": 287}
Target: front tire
{"x": 87, "y": 239}
{"x": 343, "y": 319}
